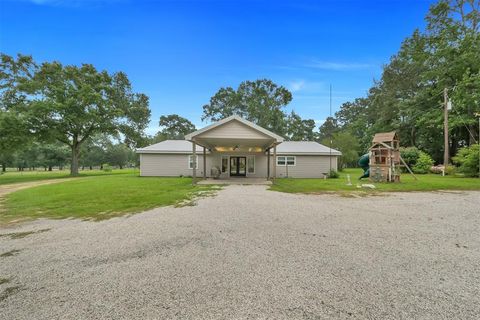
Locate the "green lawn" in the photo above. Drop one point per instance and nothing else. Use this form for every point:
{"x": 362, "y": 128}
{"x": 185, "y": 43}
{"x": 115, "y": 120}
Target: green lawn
{"x": 10, "y": 177}
{"x": 426, "y": 182}
{"x": 97, "y": 197}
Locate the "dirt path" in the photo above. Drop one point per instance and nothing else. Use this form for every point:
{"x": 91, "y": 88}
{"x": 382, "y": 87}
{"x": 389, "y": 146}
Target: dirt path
{"x": 9, "y": 188}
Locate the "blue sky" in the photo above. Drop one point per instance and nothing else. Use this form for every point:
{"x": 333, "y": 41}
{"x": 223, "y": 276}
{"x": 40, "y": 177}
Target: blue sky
{"x": 181, "y": 52}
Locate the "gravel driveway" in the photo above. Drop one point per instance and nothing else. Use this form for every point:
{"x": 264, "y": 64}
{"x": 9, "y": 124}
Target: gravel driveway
{"x": 249, "y": 253}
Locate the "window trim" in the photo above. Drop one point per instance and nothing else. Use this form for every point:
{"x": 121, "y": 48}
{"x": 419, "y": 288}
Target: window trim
{"x": 286, "y": 162}
{"x": 189, "y": 162}
{"x": 253, "y": 157}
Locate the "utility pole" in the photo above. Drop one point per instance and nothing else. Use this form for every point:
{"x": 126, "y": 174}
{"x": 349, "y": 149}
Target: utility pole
{"x": 445, "y": 128}
{"x": 330, "y": 147}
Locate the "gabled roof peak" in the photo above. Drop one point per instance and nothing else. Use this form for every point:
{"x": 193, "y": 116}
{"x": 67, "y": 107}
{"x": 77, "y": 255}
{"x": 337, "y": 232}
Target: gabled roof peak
{"x": 235, "y": 118}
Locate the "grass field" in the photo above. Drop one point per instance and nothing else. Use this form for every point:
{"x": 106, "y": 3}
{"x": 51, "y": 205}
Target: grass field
{"x": 426, "y": 182}
{"x": 101, "y": 195}
{"x": 10, "y": 177}
{"x": 97, "y": 197}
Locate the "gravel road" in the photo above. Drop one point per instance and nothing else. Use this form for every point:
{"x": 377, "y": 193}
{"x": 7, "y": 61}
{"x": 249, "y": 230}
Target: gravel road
{"x": 249, "y": 253}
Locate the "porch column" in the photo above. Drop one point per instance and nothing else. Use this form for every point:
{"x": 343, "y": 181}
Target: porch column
{"x": 274, "y": 161}
{"x": 204, "y": 163}
{"x": 268, "y": 164}
{"x": 194, "y": 162}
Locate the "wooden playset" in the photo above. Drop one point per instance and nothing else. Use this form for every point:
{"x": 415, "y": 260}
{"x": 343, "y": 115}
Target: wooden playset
{"x": 385, "y": 160}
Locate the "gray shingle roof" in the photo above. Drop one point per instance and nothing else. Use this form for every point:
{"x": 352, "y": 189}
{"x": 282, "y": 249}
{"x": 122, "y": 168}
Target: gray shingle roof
{"x": 286, "y": 147}
{"x": 305, "y": 147}
{"x": 170, "y": 146}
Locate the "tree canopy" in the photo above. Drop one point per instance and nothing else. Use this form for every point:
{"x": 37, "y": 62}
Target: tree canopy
{"x": 14, "y": 129}
{"x": 409, "y": 96}
{"x": 174, "y": 127}
{"x": 71, "y": 103}
{"x": 262, "y": 102}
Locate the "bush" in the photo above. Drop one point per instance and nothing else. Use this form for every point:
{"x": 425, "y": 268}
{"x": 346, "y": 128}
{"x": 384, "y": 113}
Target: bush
{"x": 107, "y": 167}
{"x": 333, "y": 174}
{"x": 423, "y": 164}
{"x": 467, "y": 160}
{"x": 450, "y": 170}
{"x": 410, "y": 155}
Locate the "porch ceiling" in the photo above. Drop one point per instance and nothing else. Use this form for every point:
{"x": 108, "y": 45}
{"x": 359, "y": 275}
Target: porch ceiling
{"x": 212, "y": 143}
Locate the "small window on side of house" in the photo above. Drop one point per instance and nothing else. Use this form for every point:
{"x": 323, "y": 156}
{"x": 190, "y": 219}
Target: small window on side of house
{"x": 281, "y": 161}
{"x": 291, "y": 161}
{"x": 190, "y": 162}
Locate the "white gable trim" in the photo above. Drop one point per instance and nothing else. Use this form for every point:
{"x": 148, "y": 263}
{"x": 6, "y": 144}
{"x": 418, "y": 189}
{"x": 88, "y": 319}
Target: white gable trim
{"x": 240, "y": 119}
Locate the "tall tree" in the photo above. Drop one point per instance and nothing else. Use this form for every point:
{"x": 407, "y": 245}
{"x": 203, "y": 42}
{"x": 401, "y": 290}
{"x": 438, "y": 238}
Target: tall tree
{"x": 174, "y": 127}
{"x": 118, "y": 155}
{"x": 70, "y": 104}
{"x": 14, "y": 130}
{"x": 327, "y": 129}
{"x": 52, "y": 155}
{"x": 261, "y": 101}
{"x": 299, "y": 129}
{"x": 409, "y": 96}
{"x": 348, "y": 145}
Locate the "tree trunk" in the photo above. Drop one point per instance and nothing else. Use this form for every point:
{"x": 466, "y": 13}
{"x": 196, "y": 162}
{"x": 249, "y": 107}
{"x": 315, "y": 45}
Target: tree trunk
{"x": 91, "y": 168}
{"x": 49, "y": 168}
{"x": 121, "y": 167}
{"x": 4, "y": 167}
{"x": 75, "y": 156}
{"x": 413, "y": 137}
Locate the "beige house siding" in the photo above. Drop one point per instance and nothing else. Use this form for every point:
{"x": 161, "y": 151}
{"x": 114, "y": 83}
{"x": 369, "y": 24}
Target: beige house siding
{"x": 232, "y": 130}
{"x": 307, "y": 167}
{"x": 170, "y": 165}
{"x": 175, "y": 165}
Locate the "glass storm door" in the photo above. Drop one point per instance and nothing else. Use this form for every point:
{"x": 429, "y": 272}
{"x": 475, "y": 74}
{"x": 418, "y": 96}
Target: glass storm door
{"x": 238, "y": 166}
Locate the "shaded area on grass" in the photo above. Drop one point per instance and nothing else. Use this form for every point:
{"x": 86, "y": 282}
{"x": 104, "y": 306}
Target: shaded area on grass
{"x": 10, "y": 177}
{"x": 426, "y": 182}
{"x": 99, "y": 197}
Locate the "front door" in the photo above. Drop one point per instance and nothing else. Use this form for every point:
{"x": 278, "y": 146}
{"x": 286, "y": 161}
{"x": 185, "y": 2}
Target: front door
{"x": 238, "y": 166}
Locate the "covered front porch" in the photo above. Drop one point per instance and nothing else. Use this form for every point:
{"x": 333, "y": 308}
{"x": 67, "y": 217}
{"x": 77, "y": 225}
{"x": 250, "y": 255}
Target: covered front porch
{"x": 237, "y": 150}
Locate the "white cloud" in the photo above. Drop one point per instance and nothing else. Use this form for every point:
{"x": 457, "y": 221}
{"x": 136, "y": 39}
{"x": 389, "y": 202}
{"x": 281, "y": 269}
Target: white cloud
{"x": 306, "y": 86}
{"x": 295, "y": 86}
{"x": 337, "y": 66}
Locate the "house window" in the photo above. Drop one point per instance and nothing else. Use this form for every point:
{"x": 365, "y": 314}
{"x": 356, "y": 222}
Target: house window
{"x": 190, "y": 162}
{"x": 290, "y": 161}
{"x": 283, "y": 161}
{"x": 224, "y": 164}
{"x": 251, "y": 164}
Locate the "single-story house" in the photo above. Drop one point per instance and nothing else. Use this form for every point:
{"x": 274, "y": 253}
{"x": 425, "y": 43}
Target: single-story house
{"x": 235, "y": 147}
